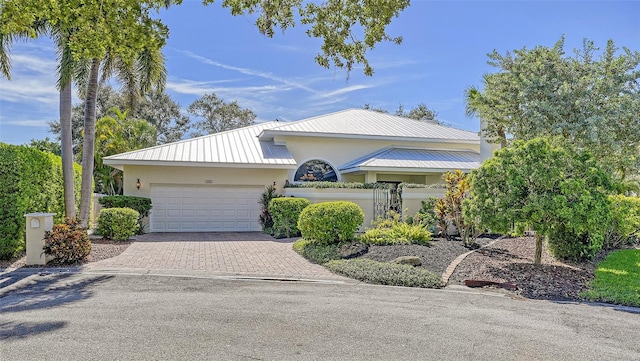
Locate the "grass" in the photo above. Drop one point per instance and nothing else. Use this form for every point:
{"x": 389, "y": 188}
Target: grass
{"x": 617, "y": 279}
{"x": 384, "y": 273}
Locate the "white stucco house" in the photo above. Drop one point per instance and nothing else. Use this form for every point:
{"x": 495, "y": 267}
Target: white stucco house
{"x": 214, "y": 182}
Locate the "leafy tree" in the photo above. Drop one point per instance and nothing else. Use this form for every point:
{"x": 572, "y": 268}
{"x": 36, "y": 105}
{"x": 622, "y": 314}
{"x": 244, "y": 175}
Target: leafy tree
{"x": 559, "y": 193}
{"x": 46, "y": 145}
{"x": 218, "y": 116}
{"x": 592, "y": 103}
{"x": 421, "y": 112}
{"x": 157, "y": 108}
{"x": 337, "y": 22}
{"x": 118, "y": 133}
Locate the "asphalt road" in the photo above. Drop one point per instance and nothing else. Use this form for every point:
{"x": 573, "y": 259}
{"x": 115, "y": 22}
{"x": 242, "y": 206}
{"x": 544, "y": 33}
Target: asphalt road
{"x": 101, "y": 317}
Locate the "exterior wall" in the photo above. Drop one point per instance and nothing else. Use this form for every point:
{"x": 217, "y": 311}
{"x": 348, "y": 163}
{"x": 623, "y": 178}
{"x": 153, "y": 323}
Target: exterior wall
{"x": 361, "y": 197}
{"x": 412, "y": 198}
{"x": 197, "y": 175}
{"x": 339, "y": 151}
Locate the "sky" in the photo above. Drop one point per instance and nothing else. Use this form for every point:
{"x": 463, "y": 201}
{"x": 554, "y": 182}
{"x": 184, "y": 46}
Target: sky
{"x": 444, "y": 51}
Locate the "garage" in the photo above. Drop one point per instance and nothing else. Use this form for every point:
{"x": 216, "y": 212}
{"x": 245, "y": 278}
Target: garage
{"x": 202, "y": 208}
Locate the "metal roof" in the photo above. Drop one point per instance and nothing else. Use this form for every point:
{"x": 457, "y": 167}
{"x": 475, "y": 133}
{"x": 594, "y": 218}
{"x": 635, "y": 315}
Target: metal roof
{"x": 238, "y": 146}
{"x": 419, "y": 159}
{"x": 360, "y": 123}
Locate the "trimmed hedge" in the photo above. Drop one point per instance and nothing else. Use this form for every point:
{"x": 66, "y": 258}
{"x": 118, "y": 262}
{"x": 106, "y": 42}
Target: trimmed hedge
{"x": 625, "y": 221}
{"x": 285, "y": 213}
{"x": 118, "y": 224}
{"x": 142, "y": 205}
{"x": 383, "y": 273}
{"x": 31, "y": 182}
{"x": 330, "y": 222}
{"x": 339, "y": 185}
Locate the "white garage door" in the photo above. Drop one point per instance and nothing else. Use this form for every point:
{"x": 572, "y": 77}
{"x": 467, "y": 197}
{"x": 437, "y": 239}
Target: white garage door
{"x": 197, "y": 208}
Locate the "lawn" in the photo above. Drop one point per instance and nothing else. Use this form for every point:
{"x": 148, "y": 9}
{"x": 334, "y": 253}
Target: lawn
{"x": 617, "y": 279}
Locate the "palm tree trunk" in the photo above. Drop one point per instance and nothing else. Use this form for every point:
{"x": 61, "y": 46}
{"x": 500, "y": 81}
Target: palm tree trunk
{"x": 67, "y": 151}
{"x": 89, "y": 143}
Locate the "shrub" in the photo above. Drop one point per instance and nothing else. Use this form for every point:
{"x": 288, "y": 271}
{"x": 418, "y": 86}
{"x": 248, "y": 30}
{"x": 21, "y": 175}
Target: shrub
{"x": 426, "y": 216}
{"x": 331, "y": 222}
{"x": 285, "y": 213}
{"x": 625, "y": 221}
{"x": 142, "y": 205}
{"x": 316, "y": 252}
{"x": 383, "y": 273}
{"x": 67, "y": 243}
{"x": 392, "y": 230}
{"x": 118, "y": 224}
{"x": 31, "y": 182}
{"x": 266, "y": 221}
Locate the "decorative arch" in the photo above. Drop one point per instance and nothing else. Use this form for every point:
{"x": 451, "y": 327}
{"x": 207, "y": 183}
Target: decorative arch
{"x": 315, "y": 170}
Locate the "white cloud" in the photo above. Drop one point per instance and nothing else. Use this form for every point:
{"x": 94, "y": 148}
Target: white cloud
{"x": 28, "y": 123}
{"x": 345, "y": 90}
{"x": 252, "y": 72}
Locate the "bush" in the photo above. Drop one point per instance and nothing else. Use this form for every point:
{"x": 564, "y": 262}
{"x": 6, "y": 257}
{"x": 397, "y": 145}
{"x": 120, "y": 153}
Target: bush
{"x": 67, "y": 243}
{"x": 285, "y": 213}
{"x": 392, "y": 230}
{"x": 625, "y": 221}
{"x": 266, "y": 221}
{"x": 31, "y": 182}
{"x": 316, "y": 252}
{"x": 426, "y": 216}
{"x": 142, "y": 205}
{"x": 118, "y": 224}
{"x": 383, "y": 273}
{"x": 330, "y": 222}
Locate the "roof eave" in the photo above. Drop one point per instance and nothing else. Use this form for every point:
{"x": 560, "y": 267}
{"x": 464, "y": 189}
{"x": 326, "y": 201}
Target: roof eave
{"x": 119, "y": 164}
{"x": 400, "y": 169}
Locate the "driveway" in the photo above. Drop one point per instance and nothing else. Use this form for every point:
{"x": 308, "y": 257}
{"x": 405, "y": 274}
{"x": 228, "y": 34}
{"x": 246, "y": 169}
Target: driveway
{"x": 249, "y": 254}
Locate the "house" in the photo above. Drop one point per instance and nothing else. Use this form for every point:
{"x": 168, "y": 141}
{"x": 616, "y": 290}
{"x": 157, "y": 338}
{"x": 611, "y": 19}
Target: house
{"x": 214, "y": 182}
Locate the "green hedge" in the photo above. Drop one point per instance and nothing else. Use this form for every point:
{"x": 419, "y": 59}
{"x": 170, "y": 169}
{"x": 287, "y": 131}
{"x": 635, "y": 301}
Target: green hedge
{"x": 625, "y": 221}
{"x": 330, "y": 222}
{"x": 142, "y": 205}
{"x": 343, "y": 185}
{"x": 285, "y": 213}
{"x": 31, "y": 182}
{"x": 118, "y": 224}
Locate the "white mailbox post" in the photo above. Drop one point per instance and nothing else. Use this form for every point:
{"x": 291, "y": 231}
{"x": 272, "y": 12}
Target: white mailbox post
{"x": 37, "y": 224}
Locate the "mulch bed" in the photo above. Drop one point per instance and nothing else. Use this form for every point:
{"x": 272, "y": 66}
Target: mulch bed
{"x": 100, "y": 249}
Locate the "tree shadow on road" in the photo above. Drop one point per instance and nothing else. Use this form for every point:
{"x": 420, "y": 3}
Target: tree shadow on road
{"x": 15, "y": 330}
{"x": 47, "y": 290}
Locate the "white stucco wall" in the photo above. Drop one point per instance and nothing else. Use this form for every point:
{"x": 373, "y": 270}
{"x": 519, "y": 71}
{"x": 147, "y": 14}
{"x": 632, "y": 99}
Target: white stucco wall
{"x": 198, "y": 175}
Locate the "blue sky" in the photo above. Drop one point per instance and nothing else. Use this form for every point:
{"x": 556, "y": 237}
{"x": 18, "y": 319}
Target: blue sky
{"x": 443, "y": 52}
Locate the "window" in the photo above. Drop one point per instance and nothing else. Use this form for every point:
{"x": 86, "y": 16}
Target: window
{"x": 316, "y": 171}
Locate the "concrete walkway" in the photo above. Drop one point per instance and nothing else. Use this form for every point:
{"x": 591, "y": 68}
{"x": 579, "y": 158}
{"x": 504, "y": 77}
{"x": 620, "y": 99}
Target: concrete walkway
{"x": 252, "y": 254}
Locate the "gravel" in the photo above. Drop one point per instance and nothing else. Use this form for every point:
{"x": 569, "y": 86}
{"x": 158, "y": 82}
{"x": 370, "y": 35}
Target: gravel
{"x": 100, "y": 249}
{"x": 434, "y": 258}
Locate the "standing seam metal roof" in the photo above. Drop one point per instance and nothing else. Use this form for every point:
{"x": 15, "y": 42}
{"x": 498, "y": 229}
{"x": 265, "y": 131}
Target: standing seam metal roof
{"x": 361, "y": 122}
{"x": 240, "y": 146}
{"x": 395, "y": 157}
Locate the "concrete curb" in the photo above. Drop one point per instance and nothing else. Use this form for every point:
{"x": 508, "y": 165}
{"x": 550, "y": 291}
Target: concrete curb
{"x": 452, "y": 266}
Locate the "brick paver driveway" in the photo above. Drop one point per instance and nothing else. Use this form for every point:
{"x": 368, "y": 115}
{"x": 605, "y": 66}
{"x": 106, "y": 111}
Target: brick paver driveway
{"x": 251, "y": 254}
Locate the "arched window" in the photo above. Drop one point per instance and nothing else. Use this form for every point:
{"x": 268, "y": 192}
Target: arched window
{"x": 316, "y": 171}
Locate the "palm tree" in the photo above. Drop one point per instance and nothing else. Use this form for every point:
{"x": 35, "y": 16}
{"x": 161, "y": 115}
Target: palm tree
{"x": 65, "y": 66}
{"x": 147, "y": 72}
{"x": 118, "y": 133}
